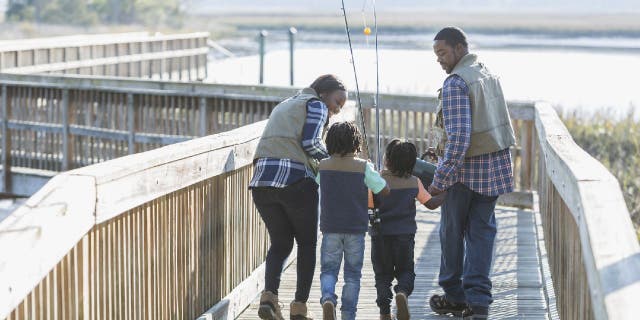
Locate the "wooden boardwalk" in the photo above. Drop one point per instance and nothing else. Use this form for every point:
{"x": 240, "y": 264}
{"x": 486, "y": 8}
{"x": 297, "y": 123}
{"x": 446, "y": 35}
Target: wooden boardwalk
{"x": 519, "y": 272}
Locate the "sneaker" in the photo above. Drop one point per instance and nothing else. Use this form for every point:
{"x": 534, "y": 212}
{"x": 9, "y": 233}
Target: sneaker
{"x": 481, "y": 313}
{"x": 328, "y": 311}
{"x": 440, "y": 305}
{"x": 299, "y": 311}
{"x": 402, "y": 306}
{"x": 269, "y": 307}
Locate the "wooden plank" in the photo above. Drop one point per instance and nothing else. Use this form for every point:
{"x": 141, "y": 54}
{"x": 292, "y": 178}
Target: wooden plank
{"x": 517, "y": 283}
{"x": 6, "y": 142}
{"x": 66, "y": 154}
{"x": 47, "y": 227}
{"x": 131, "y": 113}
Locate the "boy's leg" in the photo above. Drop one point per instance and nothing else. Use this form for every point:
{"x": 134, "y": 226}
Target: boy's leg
{"x": 353, "y": 260}
{"x": 330, "y": 259}
{"x": 383, "y": 268}
{"x": 479, "y": 239}
{"x": 403, "y": 260}
{"x": 301, "y": 201}
{"x": 453, "y": 221}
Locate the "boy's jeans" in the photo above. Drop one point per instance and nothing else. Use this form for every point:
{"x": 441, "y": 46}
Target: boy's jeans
{"x": 392, "y": 258}
{"x": 334, "y": 246}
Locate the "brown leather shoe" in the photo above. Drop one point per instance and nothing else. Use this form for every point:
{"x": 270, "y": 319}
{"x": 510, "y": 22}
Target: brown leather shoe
{"x": 299, "y": 311}
{"x": 402, "y": 306}
{"x": 328, "y": 311}
{"x": 269, "y": 307}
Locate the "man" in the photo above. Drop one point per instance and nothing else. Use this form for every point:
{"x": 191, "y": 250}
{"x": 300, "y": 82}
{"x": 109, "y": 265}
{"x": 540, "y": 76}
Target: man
{"x": 474, "y": 167}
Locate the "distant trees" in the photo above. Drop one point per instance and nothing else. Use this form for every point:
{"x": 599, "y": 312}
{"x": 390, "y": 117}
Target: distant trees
{"x": 89, "y": 12}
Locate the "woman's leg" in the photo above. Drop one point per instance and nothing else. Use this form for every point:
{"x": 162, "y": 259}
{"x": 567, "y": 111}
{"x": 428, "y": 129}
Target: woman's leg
{"x": 280, "y": 233}
{"x": 300, "y": 201}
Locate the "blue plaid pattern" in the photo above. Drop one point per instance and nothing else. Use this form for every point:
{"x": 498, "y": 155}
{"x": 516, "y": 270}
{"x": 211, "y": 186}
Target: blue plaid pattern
{"x": 488, "y": 174}
{"x": 279, "y": 173}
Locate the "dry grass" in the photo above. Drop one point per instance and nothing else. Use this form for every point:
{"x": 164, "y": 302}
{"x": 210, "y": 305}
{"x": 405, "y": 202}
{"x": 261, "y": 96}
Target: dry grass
{"x": 615, "y": 143}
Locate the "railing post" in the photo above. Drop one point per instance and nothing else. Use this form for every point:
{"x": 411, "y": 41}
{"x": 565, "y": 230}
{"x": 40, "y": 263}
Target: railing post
{"x": 163, "y": 61}
{"x": 292, "y": 36}
{"x": 526, "y": 134}
{"x": 262, "y": 36}
{"x": 203, "y": 116}
{"x": 66, "y": 156}
{"x": 131, "y": 123}
{"x": 6, "y": 143}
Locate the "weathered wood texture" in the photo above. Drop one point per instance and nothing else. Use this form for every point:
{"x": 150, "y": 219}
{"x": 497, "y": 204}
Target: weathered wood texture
{"x": 142, "y": 55}
{"x": 163, "y": 234}
{"x": 593, "y": 251}
{"x": 104, "y": 123}
{"x": 518, "y": 281}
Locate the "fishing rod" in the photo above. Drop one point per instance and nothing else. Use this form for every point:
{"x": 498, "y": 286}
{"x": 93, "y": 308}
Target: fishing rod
{"x": 355, "y": 74}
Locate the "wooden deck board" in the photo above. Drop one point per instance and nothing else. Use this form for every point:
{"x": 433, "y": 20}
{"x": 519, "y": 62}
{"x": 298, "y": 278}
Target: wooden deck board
{"x": 517, "y": 281}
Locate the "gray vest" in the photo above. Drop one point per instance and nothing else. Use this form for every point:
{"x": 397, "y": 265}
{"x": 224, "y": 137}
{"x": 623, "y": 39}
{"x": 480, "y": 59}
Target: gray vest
{"x": 491, "y": 129}
{"x": 282, "y": 136}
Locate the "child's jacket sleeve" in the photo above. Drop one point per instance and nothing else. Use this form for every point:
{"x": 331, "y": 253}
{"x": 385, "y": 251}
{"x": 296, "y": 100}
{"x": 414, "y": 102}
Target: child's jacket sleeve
{"x": 372, "y": 179}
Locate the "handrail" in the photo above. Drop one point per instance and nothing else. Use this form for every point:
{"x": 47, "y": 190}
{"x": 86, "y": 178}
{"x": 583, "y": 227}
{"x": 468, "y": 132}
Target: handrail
{"x": 62, "y": 213}
{"x": 609, "y": 247}
{"x": 93, "y": 40}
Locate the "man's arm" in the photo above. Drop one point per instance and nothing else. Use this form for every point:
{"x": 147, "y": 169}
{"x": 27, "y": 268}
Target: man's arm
{"x": 317, "y": 116}
{"x": 456, "y": 110}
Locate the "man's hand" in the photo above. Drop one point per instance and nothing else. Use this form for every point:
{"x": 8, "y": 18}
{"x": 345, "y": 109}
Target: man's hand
{"x": 431, "y": 154}
{"x": 434, "y": 191}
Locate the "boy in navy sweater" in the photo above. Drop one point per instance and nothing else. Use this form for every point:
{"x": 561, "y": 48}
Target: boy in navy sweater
{"x": 344, "y": 182}
{"x": 392, "y": 248}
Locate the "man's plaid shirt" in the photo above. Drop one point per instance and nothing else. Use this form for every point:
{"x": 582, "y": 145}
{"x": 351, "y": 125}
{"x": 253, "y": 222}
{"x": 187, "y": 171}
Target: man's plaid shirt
{"x": 488, "y": 174}
{"x": 279, "y": 173}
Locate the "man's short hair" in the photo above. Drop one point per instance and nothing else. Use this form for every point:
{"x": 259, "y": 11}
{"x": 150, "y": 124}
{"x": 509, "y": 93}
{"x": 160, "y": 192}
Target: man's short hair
{"x": 452, "y": 36}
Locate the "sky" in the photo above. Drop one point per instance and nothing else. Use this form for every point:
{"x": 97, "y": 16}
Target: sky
{"x": 550, "y": 6}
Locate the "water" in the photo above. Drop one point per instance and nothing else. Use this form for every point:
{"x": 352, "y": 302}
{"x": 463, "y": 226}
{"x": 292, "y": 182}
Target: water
{"x": 579, "y": 73}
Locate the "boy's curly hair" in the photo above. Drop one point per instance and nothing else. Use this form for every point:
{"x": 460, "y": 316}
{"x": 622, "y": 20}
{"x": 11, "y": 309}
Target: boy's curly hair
{"x": 343, "y": 138}
{"x": 401, "y": 157}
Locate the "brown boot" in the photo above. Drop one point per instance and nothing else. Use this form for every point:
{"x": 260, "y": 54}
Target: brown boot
{"x": 269, "y": 307}
{"x": 402, "y": 306}
{"x": 298, "y": 311}
{"x": 386, "y": 317}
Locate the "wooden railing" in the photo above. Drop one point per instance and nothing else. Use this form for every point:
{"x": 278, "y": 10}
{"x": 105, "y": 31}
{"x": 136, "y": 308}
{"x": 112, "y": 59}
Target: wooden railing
{"x": 57, "y": 123}
{"x": 593, "y": 250}
{"x": 163, "y": 234}
{"x": 594, "y": 255}
{"x": 170, "y": 57}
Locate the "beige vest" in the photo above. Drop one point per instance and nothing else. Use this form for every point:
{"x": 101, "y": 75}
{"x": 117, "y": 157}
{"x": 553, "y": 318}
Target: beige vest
{"x": 282, "y": 137}
{"x": 491, "y": 129}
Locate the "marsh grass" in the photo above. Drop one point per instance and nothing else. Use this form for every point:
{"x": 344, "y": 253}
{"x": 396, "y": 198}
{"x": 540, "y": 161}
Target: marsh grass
{"x": 615, "y": 143}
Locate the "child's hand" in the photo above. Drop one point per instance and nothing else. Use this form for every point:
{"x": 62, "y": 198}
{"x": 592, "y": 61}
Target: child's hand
{"x": 436, "y": 200}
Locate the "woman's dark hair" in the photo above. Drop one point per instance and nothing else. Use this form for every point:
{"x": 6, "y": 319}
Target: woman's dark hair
{"x": 452, "y": 36}
{"x": 401, "y": 157}
{"x": 326, "y": 84}
{"x": 343, "y": 138}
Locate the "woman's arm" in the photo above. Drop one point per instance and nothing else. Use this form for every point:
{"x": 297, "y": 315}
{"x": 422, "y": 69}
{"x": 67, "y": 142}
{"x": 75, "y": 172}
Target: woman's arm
{"x": 317, "y": 117}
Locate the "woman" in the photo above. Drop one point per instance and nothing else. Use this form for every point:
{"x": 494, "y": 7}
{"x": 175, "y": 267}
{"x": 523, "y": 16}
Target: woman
{"x": 284, "y": 188}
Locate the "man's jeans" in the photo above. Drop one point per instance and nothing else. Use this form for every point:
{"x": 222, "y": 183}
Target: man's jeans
{"x": 334, "y": 246}
{"x": 467, "y": 234}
